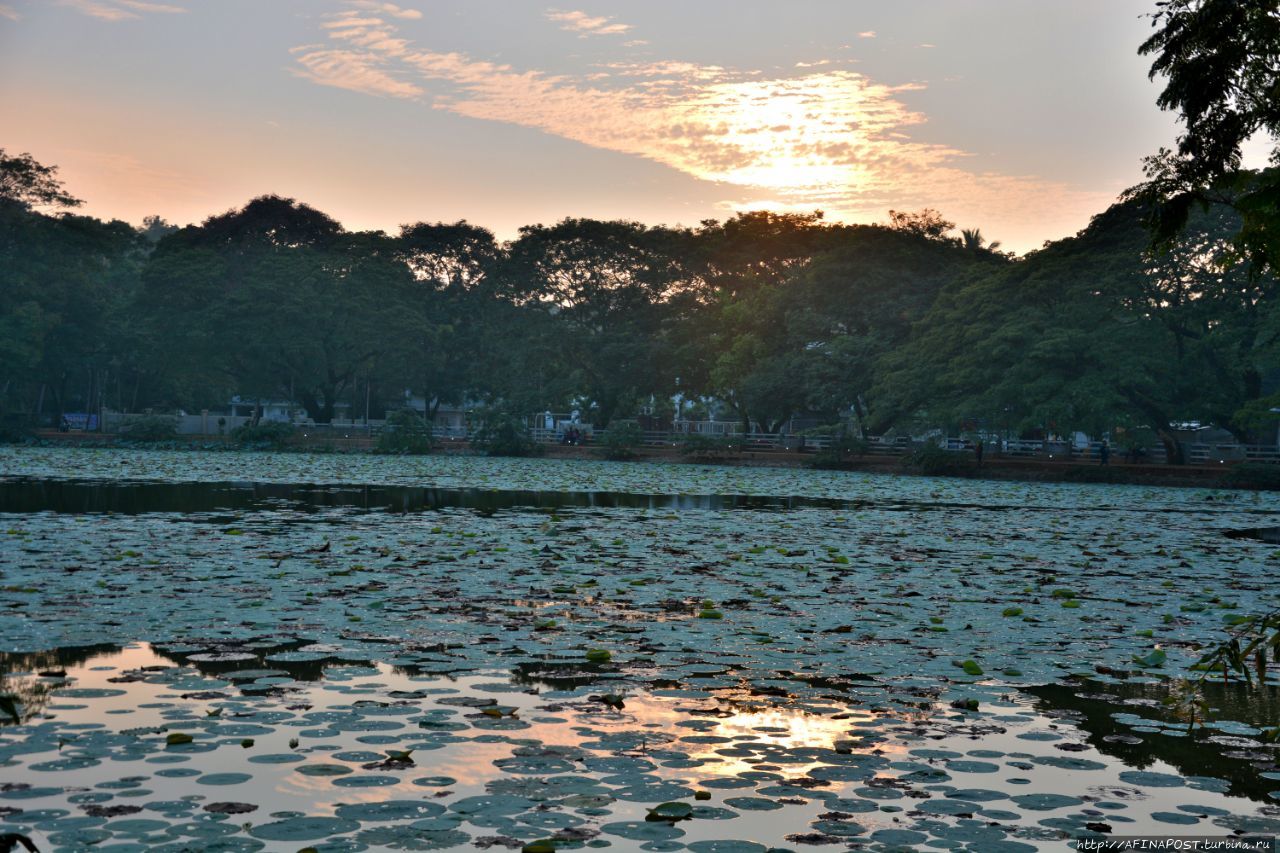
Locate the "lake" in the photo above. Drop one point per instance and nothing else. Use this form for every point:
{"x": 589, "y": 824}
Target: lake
{"x": 238, "y": 651}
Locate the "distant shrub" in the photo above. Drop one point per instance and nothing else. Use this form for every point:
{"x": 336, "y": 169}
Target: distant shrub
{"x": 699, "y": 447}
{"x": 504, "y": 434}
{"x": 1253, "y": 475}
{"x": 935, "y": 461}
{"x": 622, "y": 439}
{"x": 150, "y": 428}
{"x": 265, "y": 435}
{"x": 842, "y": 447}
{"x": 406, "y": 433}
{"x": 16, "y": 428}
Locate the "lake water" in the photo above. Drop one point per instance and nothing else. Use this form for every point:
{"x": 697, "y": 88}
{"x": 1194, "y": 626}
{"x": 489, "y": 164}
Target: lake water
{"x": 452, "y": 653}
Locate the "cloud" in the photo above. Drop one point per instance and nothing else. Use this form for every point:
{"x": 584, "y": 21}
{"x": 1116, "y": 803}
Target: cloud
{"x": 390, "y": 9}
{"x": 356, "y": 71}
{"x": 120, "y": 10}
{"x": 9, "y": 12}
{"x": 817, "y": 136}
{"x": 867, "y": 34}
{"x": 585, "y": 25}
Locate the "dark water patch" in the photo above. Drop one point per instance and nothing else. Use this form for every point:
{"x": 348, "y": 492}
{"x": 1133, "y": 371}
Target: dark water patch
{"x": 137, "y": 497}
{"x": 1135, "y": 724}
{"x": 1270, "y": 535}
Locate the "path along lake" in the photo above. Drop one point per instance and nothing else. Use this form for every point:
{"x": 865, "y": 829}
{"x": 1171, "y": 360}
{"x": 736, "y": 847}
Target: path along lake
{"x": 238, "y": 651}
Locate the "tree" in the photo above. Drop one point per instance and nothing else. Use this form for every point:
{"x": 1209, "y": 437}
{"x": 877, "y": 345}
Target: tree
{"x": 1090, "y": 333}
{"x": 1040, "y": 342}
{"x": 276, "y": 300}
{"x": 972, "y": 240}
{"x": 27, "y": 183}
{"x": 451, "y": 264}
{"x": 155, "y": 228}
{"x": 759, "y": 248}
{"x": 66, "y": 283}
{"x": 607, "y": 289}
{"x": 925, "y": 223}
{"x": 1221, "y": 63}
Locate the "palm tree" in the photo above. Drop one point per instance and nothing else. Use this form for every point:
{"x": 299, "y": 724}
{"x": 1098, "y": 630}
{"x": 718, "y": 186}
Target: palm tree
{"x": 972, "y": 239}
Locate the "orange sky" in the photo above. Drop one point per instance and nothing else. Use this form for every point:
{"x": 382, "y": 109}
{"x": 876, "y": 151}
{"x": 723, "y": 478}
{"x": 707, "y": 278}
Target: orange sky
{"x": 1019, "y": 118}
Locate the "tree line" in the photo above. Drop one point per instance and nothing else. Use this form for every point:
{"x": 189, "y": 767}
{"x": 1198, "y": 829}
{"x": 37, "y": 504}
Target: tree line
{"x": 769, "y": 315}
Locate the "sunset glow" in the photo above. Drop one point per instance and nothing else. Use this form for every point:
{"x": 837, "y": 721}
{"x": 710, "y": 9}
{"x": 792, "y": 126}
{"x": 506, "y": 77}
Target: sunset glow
{"x": 511, "y": 114}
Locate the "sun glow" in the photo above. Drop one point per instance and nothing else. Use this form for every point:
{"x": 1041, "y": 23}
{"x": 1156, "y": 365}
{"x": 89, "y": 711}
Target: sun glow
{"x": 797, "y": 137}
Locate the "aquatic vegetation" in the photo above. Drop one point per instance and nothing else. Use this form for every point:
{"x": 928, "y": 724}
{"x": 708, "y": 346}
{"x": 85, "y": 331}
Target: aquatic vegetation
{"x": 652, "y": 669}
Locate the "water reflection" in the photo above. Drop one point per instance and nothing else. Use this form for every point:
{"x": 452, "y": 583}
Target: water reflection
{"x": 767, "y": 769}
{"x": 1259, "y": 534}
{"x": 1238, "y": 758}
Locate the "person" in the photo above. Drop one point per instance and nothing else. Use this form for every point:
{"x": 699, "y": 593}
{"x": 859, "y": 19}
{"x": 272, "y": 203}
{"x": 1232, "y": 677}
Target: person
{"x": 1104, "y": 454}
{"x": 977, "y": 452}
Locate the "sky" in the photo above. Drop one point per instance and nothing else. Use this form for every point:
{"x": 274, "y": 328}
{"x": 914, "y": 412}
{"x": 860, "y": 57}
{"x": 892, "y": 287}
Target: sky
{"x": 1019, "y": 117}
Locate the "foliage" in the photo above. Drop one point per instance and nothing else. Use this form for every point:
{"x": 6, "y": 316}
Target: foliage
{"x": 150, "y": 428}
{"x": 1219, "y": 61}
{"x": 1253, "y": 475}
{"x": 405, "y": 433}
{"x": 766, "y": 317}
{"x": 927, "y": 223}
{"x": 502, "y": 433}
{"x": 1250, "y": 643}
{"x": 843, "y": 445}
{"x": 1090, "y": 333}
{"x": 702, "y": 448}
{"x": 15, "y": 428}
{"x": 622, "y": 439}
{"x": 27, "y": 183}
{"x": 264, "y": 435}
{"x": 932, "y": 460}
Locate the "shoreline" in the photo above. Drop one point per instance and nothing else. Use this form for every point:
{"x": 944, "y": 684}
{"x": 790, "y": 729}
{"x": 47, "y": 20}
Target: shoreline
{"x": 994, "y": 466}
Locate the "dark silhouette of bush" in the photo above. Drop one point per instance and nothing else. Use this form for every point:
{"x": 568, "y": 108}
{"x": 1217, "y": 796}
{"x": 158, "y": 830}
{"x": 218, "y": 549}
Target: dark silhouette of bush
{"x": 265, "y": 435}
{"x": 150, "y": 428}
{"x": 504, "y": 434}
{"x": 622, "y": 439}
{"x": 406, "y": 434}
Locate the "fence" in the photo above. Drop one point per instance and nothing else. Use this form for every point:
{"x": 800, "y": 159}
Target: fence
{"x": 1200, "y": 454}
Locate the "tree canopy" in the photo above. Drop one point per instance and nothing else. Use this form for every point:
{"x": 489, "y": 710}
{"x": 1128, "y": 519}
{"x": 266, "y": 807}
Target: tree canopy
{"x": 764, "y": 318}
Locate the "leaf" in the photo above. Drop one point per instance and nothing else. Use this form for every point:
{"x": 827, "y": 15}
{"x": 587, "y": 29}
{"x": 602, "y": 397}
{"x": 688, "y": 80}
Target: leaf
{"x": 1154, "y": 658}
{"x": 545, "y": 845}
{"x": 599, "y": 655}
{"x": 971, "y": 667}
{"x": 178, "y": 738}
{"x": 670, "y": 812}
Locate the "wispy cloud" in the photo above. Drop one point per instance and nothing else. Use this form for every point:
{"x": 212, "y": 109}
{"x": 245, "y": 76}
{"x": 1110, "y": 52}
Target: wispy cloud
{"x": 867, "y": 34}
{"x": 9, "y": 12}
{"x": 367, "y": 59}
{"x": 389, "y": 9}
{"x": 120, "y": 10}
{"x": 816, "y": 136}
{"x": 586, "y": 25}
{"x": 355, "y": 70}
